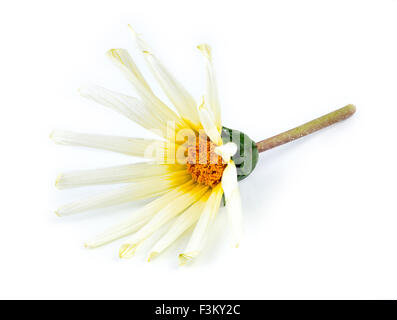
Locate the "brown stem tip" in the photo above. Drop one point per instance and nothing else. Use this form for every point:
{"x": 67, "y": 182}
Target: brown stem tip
{"x": 307, "y": 128}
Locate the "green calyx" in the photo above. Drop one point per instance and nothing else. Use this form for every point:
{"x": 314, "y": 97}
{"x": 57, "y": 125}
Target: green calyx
{"x": 247, "y": 154}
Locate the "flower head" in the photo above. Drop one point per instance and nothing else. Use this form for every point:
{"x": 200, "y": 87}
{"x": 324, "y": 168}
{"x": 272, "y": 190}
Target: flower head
{"x": 193, "y": 164}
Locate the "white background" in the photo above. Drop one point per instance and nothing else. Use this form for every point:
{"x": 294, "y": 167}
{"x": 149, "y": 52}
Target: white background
{"x": 320, "y": 213}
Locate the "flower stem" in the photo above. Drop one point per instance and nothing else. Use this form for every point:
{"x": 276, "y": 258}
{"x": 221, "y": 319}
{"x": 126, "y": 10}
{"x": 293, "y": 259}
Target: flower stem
{"x": 307, "y": 128}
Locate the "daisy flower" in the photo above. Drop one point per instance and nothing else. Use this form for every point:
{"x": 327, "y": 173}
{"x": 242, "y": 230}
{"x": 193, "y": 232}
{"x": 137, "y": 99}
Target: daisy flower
{"x": 193, "y": 165}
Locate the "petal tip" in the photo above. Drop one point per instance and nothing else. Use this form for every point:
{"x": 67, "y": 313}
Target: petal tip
{"x": 58, "y": 180}
{"x": 184, "y": 258}
{"x": 57, "y": 135}
{"x": 205, "y": 49}
{"x": 152, "y": 255}
{"x": 83, "y": 91}
{"x": 92, "y": 244}
{"x": 114, "y": 54}
{"x": 131, "y": 29}
{"x": 127, "y": 251}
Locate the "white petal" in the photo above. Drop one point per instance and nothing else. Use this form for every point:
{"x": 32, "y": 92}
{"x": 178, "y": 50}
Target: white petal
{"x": 182, "y": 223}
{"x": 207, "y": 120}
{"x": 197, "y": 240}
{"x": 233, "y": 201}
{"x": 146, "y": 148}
{"x": 139, "y": 218}
{"x": 123, "y": 60}
{"x": 175, "y": 207}
{"x": 226, "y": 151}
{"x": 211, "y": 85}
{"x": 117, "y": 174}
{"x": 137, "y": 191}
{"x": 181, "y": 99}
{"x": 144, "y": 114}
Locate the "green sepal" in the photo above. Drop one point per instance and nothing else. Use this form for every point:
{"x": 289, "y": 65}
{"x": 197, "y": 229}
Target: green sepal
{"x": 246, "y": 156}
{"x": 247, "y": 153}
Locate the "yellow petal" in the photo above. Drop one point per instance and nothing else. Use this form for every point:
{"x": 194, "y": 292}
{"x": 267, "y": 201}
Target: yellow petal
{"x": 182, "y": 223}
{"x": 122, "y": 59}
{"x": 163, "y": 216}
{"x": 140, "y": 217}
{"x": 178, "y": 95}
{"x": 118, "y": 174}
{"x": 207, "y": 121}
{"x": 144, "y": 114}
{"x": 197, "y": 240}
{"x": 132, "y": 192}
{"x": 233, "y": 201}
{"x": 211, "y": 86}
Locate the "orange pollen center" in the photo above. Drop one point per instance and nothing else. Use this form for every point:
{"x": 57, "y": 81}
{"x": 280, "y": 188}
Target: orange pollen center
{"x": 205, "y": 166}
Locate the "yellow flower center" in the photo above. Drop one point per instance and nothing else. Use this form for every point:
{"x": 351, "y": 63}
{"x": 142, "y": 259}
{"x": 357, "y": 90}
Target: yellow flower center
{"x": 205, "y": 166}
